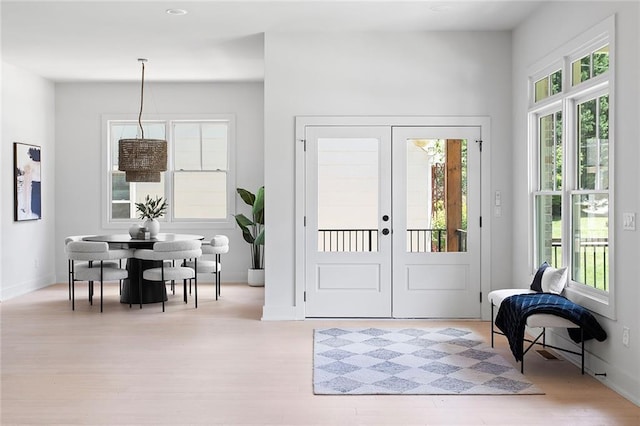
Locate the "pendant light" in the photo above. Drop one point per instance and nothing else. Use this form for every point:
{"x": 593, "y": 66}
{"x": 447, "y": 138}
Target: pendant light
{"x": 142, "y": 159}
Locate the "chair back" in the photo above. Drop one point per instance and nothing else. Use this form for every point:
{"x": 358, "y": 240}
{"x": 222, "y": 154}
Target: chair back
{"x": 187, "y": 249}
{"x": 219, "y": 244}
{"x": 87, "y": 250}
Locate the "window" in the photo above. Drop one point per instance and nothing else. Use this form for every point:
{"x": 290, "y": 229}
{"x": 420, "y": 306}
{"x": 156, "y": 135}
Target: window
{"x": 549, "y": 85}
{"x": 199, "y": 184}
{"x": 571, "y": 143}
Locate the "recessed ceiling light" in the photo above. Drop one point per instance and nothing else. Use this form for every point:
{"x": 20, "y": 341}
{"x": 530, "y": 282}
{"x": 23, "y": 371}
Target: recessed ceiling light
{"x": 176, "y": 12}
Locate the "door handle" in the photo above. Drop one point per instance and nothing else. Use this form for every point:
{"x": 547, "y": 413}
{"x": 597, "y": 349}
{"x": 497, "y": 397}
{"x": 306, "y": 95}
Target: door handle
{"x": 385, "y": 231}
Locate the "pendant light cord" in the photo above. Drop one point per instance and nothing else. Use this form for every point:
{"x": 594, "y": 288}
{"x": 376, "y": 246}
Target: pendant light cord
{"x": 141, "y": 99}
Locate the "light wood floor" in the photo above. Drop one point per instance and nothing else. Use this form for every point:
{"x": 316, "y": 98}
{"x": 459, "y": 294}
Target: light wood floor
{"x": 220, "y": 364}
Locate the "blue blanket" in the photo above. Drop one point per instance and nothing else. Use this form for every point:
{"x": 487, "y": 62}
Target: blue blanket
{"x": 514, "y": 310}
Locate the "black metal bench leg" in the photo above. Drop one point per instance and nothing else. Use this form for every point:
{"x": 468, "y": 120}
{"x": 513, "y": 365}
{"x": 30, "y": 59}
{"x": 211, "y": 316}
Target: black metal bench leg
{"x": 582, "y": 356}
{"x": 492, "y": 324}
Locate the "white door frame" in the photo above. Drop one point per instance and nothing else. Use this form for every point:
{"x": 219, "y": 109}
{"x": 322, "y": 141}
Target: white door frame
{"x": 301, "y": 122}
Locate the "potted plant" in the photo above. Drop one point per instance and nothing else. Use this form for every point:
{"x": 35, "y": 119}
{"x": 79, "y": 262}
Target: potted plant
{"x": 253, "y": 233}
{"x": 151, "y": 209}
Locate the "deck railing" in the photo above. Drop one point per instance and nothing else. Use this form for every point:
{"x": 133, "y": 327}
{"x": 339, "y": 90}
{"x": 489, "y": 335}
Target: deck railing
{"x": 363, "y": 240}
{"x": 594, "y": 260}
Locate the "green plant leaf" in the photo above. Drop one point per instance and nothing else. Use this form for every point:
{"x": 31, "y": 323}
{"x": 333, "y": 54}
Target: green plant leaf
{"x": 260, "y": 238}
{"x": 258, "y": 207}
{"x": 243, "y": 221}
{"x": 246, "y": 196}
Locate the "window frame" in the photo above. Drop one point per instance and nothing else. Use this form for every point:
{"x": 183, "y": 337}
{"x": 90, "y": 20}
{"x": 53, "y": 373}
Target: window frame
{"x": 599, "y": 301}
{"x": 169, "y": 220}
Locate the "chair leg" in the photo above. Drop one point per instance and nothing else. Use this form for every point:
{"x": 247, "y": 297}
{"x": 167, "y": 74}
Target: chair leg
{"x": 69, "y": 276}
{"x": 101, "y": 282}
{"x": 195, "y": 279}
{"x": 184, "y": 290}
{"x": 219, "y": 272}
{"x": 163, "y": 284}
{"x": 73, "y": 288}
{"x": 140, "y": 284}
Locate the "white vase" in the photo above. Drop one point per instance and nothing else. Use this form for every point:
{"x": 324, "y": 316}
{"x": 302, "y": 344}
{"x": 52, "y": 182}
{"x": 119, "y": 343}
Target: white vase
{"x": 153, "y": 226}
{"x": 134, "y": 230}
{"x": 255, "y": 277}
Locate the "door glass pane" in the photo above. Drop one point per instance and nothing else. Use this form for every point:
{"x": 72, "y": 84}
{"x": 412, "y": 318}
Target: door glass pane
{"x": 436, "y": 195}
{"x": 550, "y": 130}
{"x": 548, "y": 229}
{"x": 348, "y": 194}
{"x": 590, "y": 229}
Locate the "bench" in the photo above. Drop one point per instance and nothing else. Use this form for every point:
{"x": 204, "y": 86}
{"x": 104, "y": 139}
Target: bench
{"x": 543, "y": 321}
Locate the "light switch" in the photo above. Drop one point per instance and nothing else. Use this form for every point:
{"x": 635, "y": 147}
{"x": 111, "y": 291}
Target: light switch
{"x": 629, "y": 221}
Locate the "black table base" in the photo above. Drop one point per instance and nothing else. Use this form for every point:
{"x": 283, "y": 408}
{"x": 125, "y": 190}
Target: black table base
{"x": 152, "y": 291}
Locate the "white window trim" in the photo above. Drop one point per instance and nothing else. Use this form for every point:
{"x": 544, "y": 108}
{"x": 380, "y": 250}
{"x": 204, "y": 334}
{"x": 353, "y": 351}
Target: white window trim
{"x": 603, "y": 33}
{"x": 169, "y": 222}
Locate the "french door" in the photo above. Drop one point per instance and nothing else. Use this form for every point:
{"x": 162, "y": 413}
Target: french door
{"x": 392, "y": 222}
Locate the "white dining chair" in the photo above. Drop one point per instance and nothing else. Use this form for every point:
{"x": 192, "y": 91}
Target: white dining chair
{"x": 164, "y": 251}
{"x": 98, "y": 264}
{"x": 216, "y": 247}
{"x": 68, "y": 240}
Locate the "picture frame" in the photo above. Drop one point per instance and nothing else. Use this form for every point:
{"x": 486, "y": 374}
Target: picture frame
{"x": 27, "y": 182}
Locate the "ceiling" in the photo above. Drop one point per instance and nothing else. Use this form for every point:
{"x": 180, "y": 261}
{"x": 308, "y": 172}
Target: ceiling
{"x": 89, "y": 40}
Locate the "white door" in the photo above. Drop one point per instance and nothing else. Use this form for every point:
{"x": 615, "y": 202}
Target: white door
{"x": 413, "y": 254}
{"x": 347, "y": 231}
{"x": 436, "y": 222}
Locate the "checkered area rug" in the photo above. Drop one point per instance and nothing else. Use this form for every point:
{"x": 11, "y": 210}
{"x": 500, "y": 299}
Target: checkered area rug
{"x": 411, "y": 361}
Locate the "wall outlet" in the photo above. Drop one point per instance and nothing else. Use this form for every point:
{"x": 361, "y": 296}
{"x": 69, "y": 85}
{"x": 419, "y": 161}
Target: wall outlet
{"x": 629, "y": 221}
{"x": 625, "y": 336}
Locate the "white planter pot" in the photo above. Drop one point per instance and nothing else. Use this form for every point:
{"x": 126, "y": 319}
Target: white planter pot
{"x": 255, "y": 277}
{"x": 153, "y": 226}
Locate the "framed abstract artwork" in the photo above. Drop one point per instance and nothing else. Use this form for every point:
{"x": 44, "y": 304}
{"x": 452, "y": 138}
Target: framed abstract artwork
{"x": 27, "y": 198}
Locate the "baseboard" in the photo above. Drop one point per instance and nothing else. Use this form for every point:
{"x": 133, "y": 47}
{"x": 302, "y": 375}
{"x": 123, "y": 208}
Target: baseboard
{"x": 278, "y": 313}
{"x": 19, "y": 289}
{"x": 620, "y": 381}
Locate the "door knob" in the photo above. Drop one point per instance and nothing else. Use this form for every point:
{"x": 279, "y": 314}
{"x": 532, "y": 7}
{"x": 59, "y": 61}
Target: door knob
{"x": 385, "y": 231}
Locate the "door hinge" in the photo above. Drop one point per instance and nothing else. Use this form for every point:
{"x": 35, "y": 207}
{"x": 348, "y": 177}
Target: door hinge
{"x": 304, "y": 296}
{"x": 304, "y": 220}
{"x": 304, "y": 144}
{"x": 479, "y": 142}
{"x": 480, "y": 297}
{"x": 480, "y": 221}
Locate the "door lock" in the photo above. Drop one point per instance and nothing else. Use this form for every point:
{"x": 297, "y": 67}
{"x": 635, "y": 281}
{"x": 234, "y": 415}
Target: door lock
{"x": 385, "y": 231}
{"x": 385, "y": 218}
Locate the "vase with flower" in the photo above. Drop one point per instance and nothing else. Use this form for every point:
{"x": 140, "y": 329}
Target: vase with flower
{"x": 150, "y": 210}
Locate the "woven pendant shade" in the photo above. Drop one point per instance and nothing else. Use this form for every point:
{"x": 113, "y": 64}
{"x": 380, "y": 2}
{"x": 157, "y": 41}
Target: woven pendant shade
{"x": 142, "y": 160}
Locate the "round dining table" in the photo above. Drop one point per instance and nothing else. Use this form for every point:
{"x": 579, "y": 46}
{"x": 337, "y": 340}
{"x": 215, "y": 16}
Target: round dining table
{"x": 152, "y": 291}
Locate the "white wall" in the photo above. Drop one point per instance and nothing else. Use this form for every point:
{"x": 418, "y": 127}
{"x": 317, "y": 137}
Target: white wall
{"x": 392, "y": 74}
{"x": 549, "y": 28}
{"x": 26, "y": 247}
{"x": 79, "y": 110}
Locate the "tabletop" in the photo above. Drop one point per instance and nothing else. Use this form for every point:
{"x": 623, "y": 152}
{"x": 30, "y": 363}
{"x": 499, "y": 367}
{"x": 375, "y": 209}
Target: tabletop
{"x": 127, "y": 239}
